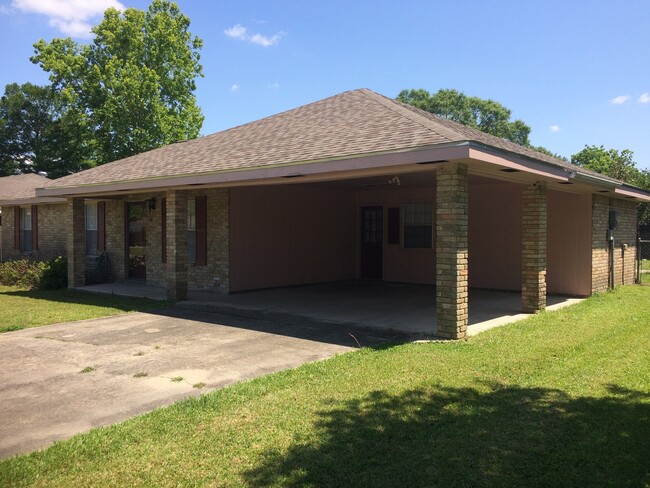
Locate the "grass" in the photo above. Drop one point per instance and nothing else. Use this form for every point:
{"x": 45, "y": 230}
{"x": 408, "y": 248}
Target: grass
{"x": 22, "y": 309}
{"x": 561, "y": 399}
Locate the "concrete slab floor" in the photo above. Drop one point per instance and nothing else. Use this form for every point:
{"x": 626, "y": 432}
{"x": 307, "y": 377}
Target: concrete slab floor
{"x": 401, "y": 308}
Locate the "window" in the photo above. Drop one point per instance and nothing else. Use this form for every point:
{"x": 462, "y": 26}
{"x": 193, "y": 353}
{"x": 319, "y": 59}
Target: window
{"x": 26, "y": 228}
{"x": 418, "y": 225}
{"x": 191, "y": 230}
{"x": 92, "y": 228}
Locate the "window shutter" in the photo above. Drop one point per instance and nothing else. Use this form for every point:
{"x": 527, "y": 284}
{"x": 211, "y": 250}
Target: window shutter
{"x": 101, "y": 226}
{"x": 17, "y": 227}
{"x": 34, "y": 227}
{"x": 201, "y": 231}
{"x": 393, "y": 225}
{"x": 163, "y": 230}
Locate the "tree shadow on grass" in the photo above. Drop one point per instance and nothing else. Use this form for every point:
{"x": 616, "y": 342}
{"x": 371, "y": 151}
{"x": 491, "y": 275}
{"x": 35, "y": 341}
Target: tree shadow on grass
{"x": 441, "y": 436}
{"x": 65, "y": 295}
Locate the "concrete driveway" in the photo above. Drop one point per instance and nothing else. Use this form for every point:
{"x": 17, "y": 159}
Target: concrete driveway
{"x": 135, "y": 363}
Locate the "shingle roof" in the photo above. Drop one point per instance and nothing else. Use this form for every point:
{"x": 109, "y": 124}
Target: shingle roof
{"x": 21, "y": 187}
{"x": 352, "y": 123}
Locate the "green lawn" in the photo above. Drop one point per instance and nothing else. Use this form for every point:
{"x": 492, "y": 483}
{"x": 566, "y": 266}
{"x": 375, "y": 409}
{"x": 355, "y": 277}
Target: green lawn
{"x": 561, "y": 399}
{"x": 21, "y": 309}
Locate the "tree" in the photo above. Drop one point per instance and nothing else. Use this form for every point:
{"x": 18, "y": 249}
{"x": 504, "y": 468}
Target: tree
{"x": 619, "y": 165}
{"x": 134, "y": 84}
{"x": 610, "y": 162}
{"x": 38, "y": 133}
{"x": 485, "y": 115}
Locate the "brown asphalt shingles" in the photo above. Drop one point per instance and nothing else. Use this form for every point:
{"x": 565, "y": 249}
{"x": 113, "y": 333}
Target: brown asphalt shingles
{"x": 353, "y": 123}
{"x": 19, "y": 187}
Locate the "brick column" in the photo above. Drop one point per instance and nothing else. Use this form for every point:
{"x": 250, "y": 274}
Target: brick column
{"x": 176, "y": 276}
{"x": 533, "y": 248}
{"x": 451, "y": 251}
{"x": 76, "y": 230}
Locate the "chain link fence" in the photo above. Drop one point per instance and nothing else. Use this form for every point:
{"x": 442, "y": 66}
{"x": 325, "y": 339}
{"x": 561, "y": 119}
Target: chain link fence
{"x": 643, "y": 251}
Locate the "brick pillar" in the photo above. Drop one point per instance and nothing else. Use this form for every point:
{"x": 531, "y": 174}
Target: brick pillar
{"x": 533, "y": 248}
{"x": 176, "y": 275}
{"x": 76, "y": 230}
{"x": 451, "y": 251}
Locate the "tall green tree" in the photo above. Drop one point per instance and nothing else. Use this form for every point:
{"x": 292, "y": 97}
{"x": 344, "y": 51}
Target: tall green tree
{"x": 39, "y": 133}
{"x": 134, "y": 84}
{"x": 485, "y": 115}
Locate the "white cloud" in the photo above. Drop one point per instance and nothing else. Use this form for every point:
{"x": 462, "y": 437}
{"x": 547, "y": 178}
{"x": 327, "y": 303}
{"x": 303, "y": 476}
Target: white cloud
{"x": 619, "y": 100}
{"x": 69, "y": 16}
{"x": 240, "y": 32}
{"x": 234, "y": 88}
{"x": 274, "y": 86}
{"x": 644, "y": 98}
{"x": 555, "y": 128}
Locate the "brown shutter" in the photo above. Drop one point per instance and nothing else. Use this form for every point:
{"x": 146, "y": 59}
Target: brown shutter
{"x": 17, "y": 228}
{"x": 201, "y": 231}
{"x": 393, "y": 225}
{"x": 34, "y": 227}
{"x": 101, "y": 226}
{"x": 163, "y": 230}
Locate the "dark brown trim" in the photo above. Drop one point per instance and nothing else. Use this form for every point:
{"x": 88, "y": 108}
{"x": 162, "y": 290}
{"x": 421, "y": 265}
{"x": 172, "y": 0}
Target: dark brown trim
{"x": 101, "y": 226}
{"x": 17, "y": 227}
{"x": 163, "y": 229}
{"x": 201, "y": 231}
{"x": 34, "y": 227}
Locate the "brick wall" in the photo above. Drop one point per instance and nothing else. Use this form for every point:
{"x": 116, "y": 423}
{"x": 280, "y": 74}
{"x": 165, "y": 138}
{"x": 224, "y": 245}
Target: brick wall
{"x": 52, "y": 238}
{"x": 212, "y": 276}
{"x": 624, "y": 260}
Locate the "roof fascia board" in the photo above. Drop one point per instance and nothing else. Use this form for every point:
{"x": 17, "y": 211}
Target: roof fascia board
{"x": 628, "y": 191}
{"x": 259, "y": 175}
{"x": 503, "y": 158}
{"x": 31, "y": 201}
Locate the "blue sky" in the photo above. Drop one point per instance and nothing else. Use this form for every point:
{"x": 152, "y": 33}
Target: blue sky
{"x": 577, "y": 72}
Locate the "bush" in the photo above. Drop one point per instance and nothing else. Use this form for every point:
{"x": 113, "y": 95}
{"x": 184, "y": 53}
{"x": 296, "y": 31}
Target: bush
{"x": 55, "y": 274}
{"x": 35, "y": 274}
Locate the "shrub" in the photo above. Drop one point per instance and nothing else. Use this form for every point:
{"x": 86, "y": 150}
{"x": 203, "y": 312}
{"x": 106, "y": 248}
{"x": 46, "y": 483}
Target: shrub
{"x": 35, "y": 274}
{"x": 55, "y": 274}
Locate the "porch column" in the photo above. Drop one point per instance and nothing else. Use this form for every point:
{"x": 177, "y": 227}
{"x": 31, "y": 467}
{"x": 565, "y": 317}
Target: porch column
{"x": 533, "y": 248}
{"x": 176, "y": 275}
{"x": 451, "y": 251}
{"x": 76, "y": 231}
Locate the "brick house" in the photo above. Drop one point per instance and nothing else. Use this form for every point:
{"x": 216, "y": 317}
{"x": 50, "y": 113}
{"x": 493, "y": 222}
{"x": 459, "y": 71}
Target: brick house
{"x": 31, "y": 227}
{"x": 356, "y": 186}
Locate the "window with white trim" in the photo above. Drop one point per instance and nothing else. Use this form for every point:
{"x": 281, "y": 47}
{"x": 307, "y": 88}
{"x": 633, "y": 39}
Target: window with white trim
{"x": 26, "y": 228}
{"x": 191, "y": 230}
{"x": 92, "y": 229}
{"x": 418, "y": 225}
